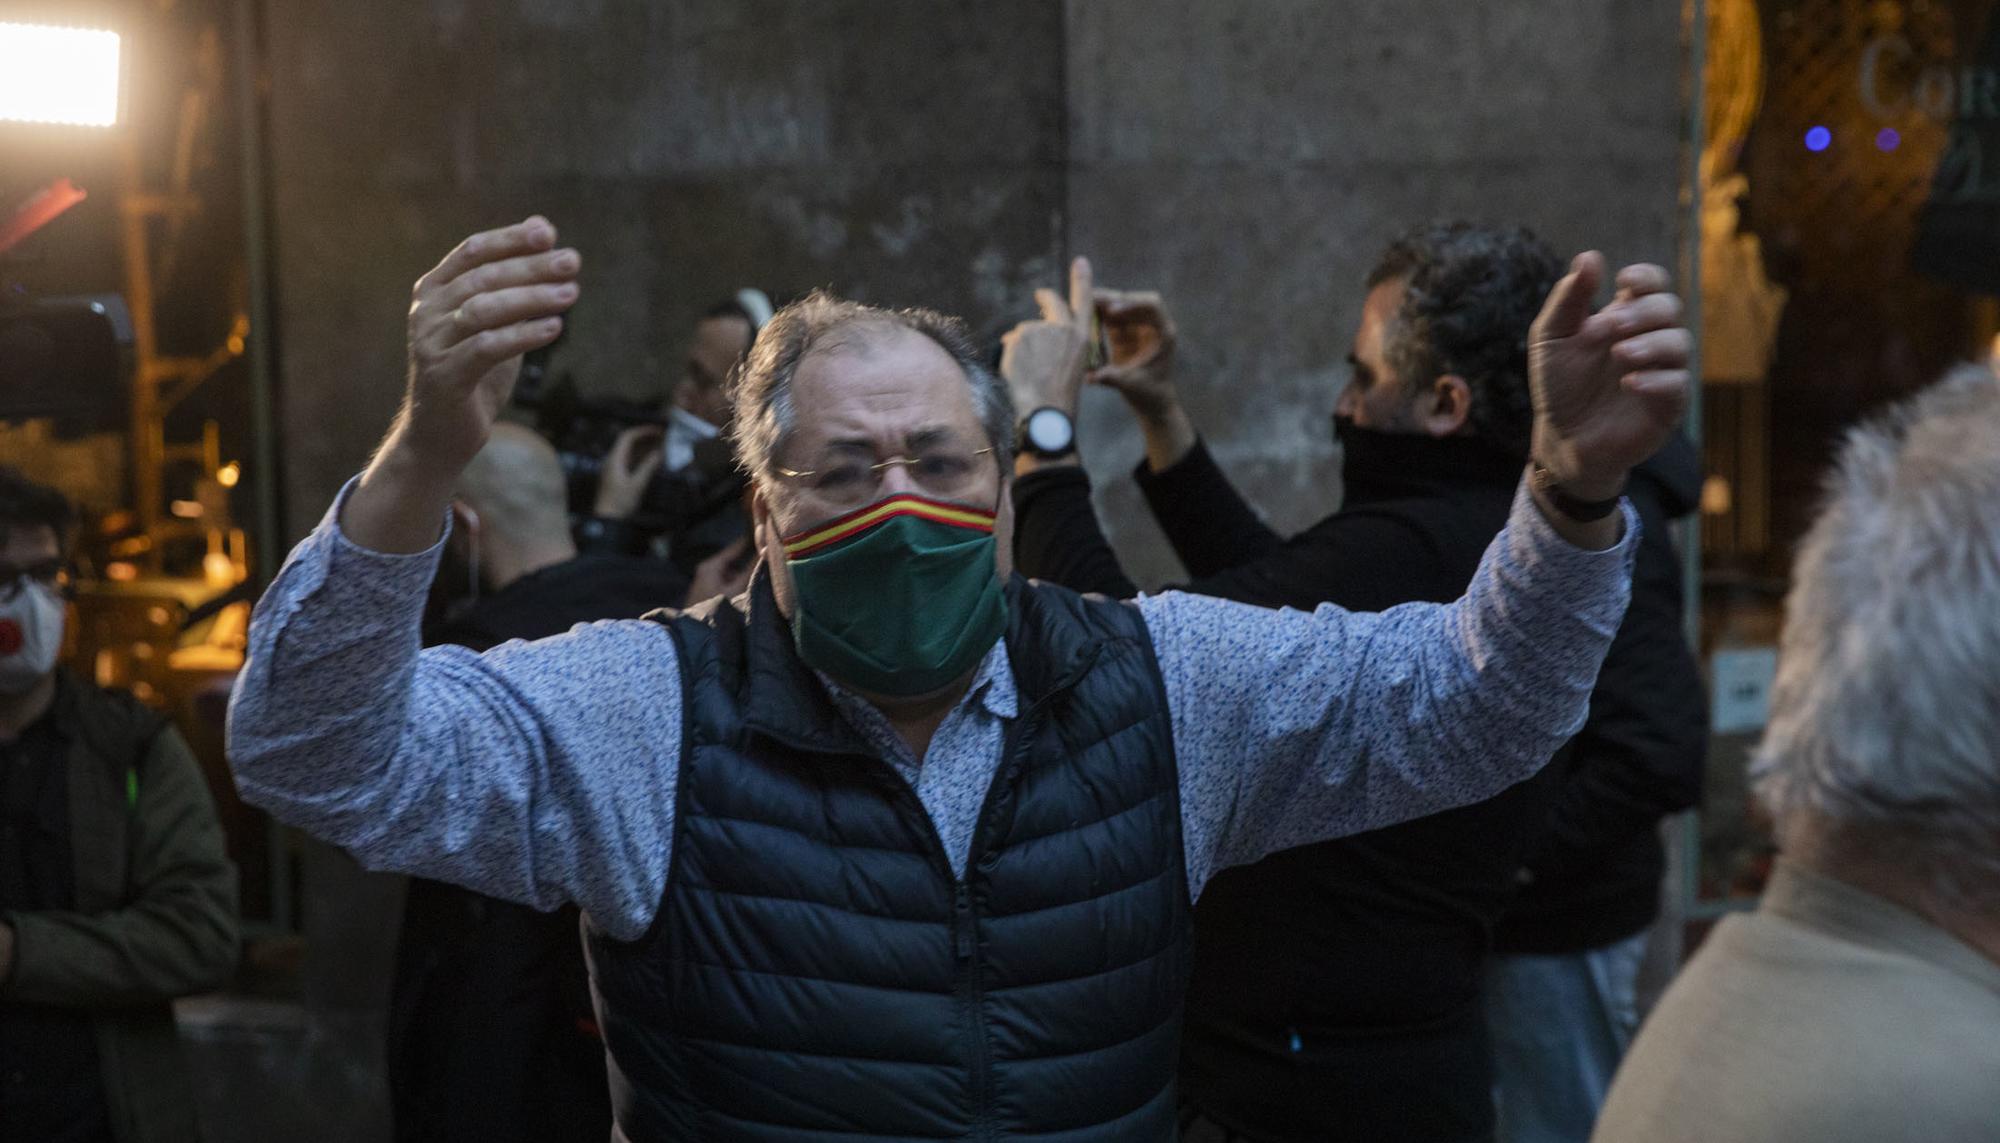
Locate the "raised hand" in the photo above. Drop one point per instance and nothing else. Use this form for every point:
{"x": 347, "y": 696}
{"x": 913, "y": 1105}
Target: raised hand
{"x": 628, "y": 471}
{"x": 1042, "y": 360}
{"x": 497, "y": 296}
{"x": 1609, "y": 385}
{"x": 1141, "y": 338}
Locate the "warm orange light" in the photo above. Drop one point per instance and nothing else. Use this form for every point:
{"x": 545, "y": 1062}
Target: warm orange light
{"x": 1717, "y": 498}
{"x": 186, "y": 509}
{"x": 121, "y": 572}
{"x": 229, "y": 474}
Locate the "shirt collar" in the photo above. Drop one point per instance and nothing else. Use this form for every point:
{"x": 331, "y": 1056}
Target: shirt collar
{"x": 1831, "y": 905}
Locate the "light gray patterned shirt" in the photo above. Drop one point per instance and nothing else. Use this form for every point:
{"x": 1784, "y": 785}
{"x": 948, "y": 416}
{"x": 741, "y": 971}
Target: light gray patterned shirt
{"x": 544, "y": 771}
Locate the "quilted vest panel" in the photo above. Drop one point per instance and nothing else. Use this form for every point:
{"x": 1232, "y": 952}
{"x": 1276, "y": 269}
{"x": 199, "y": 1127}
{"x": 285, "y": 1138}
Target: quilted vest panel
{"x": 817, "y": 970}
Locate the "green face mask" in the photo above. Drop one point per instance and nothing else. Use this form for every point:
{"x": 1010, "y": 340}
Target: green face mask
{"x": 898, "y": 598}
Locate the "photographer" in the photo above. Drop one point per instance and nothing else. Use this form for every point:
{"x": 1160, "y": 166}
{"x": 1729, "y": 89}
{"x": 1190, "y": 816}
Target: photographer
{"x": 679, "y": 478}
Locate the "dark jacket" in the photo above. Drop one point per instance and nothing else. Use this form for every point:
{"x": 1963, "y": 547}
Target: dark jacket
{"x": 558, "y": 597}
{"x": 1594, "y": 871}
{"x": 818, "y": 970}
{"x": 1336, "y": 986}
{"x": 155, "y": 914}
{"x": 491, "y": 1034}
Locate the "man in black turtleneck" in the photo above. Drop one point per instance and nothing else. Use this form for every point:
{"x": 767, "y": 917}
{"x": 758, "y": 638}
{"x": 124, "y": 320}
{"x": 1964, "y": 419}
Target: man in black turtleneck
{"x": 1338, "y": 988}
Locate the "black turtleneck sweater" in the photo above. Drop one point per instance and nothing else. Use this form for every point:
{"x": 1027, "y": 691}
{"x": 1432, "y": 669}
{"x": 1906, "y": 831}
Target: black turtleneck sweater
{"x": 1336, "y": 987}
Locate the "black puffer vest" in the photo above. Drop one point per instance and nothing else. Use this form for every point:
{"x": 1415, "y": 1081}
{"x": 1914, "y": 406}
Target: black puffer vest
{"x": 818, "y": 972}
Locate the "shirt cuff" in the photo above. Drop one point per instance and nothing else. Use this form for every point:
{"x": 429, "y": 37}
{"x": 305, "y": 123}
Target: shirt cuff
{"x": 1533, "y": 542}
{"x": 367, "y": 572}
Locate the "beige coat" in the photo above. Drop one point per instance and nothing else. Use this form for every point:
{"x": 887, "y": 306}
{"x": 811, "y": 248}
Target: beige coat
{"x": 1828, "y": 1015}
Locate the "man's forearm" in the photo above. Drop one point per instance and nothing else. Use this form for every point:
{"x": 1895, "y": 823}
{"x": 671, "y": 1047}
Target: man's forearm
{"x": 1169, "y": 434}
{"x": 396, "y": 506}
{"x": 319, "y": 704}
{"x": 1057, "y": 536}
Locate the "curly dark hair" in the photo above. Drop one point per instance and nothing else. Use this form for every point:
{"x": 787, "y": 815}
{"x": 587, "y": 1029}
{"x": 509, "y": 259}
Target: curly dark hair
{"x": 1472, "y": 290}
{"x": 26, "y": 504}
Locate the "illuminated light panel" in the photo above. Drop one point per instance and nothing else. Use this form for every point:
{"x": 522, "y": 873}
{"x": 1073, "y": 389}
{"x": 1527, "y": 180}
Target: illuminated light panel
{"x": 1818, "y": 139}
{"x": 58, "y": 75}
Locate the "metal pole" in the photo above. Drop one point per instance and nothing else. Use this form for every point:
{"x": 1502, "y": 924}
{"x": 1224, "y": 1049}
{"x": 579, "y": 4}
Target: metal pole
{"x": 263, "y": 428}
{"x": 1683, "y": 834}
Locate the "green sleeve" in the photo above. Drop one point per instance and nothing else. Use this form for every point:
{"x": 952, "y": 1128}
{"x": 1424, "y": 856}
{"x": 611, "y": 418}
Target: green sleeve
{"x": 177, "y": 932}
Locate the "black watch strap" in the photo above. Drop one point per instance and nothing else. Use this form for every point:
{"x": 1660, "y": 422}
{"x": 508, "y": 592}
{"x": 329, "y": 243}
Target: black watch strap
{"x": 1575, "y": 507}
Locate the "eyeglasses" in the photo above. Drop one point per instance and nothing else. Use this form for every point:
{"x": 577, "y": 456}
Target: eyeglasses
{"x": 49, "y": 573}
{"x": 947, "y": 472}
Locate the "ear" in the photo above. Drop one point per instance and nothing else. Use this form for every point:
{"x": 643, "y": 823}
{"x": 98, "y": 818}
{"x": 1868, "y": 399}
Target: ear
{"x": 764, "y": 533}
{"x": 770, "y": 545}
{"x": 1446, "y": 409}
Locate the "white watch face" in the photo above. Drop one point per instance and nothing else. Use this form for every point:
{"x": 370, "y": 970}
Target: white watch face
{"x": 1049, "y": 430}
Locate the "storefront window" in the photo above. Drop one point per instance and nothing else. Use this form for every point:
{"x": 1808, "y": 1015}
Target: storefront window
{"x": 1849, "y": 201}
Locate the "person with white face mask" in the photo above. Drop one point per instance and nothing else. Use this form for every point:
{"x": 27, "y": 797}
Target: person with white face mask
{"x": 31, "y": 629}
{"x": 116, "y": 895}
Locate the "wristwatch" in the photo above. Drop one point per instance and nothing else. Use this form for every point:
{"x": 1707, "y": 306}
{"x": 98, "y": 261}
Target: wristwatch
{"x": 1047, "y": 432}
{"x": 1578, "y": 509}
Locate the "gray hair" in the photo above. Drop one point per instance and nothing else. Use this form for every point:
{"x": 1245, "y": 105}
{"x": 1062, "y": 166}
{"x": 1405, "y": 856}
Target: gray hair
{"x": 1885, "y": 720}
{"x": 762, "y": 384}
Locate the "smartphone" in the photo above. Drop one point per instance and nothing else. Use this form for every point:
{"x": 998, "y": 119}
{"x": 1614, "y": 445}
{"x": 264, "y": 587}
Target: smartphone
{"x": 1097, "y": 354}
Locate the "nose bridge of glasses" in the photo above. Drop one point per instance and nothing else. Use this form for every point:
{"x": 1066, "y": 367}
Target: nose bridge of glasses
{"x": 896, "y": 474}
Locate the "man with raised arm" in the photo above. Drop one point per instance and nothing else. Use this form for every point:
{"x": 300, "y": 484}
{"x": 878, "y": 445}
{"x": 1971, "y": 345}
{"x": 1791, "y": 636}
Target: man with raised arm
{"x": 898, "y": 845}
{"x": 1341, "y": 991}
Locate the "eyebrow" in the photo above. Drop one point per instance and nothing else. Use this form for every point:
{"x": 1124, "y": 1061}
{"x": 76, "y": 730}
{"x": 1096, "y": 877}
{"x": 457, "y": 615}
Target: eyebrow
{"x": 914, "y": 439}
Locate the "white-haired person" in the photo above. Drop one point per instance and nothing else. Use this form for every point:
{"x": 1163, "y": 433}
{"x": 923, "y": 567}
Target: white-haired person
{"x": 1862, "y": 1000}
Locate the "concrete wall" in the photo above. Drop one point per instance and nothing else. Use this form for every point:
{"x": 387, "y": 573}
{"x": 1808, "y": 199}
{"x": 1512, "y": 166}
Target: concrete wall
{"x": 1252, "y": 159}
{"x": 894, "y": 150}
{"x": 1249, "y": 158}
